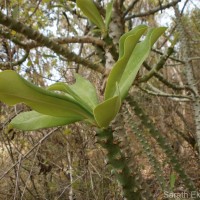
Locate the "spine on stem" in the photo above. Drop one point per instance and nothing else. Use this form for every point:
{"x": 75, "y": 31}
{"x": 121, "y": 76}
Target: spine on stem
{"x": 130, "y": 183}
{"x": 163, "y": 143}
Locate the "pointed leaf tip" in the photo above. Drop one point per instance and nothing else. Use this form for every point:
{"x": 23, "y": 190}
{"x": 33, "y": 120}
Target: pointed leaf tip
{"x": 90, "y": 10}
{"x": 131, "y": 56}
{"x": 127, "y": 43}
{"x": 105, "y": 112}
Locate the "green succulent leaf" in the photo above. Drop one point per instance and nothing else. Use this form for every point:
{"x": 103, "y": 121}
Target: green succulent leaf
{"x": 127, "y": 44}
{"x": 62, "y": 88}
{"x": 32, "y": 120}
{"x": 140, "y": 53}
{"x": 15, "y": 89}
{"x": 90, "y": 10}
{"x": 83, "y": 91}
{"x": 131, "y": 59}
{"x": 135, "y": 34}
{"x": 108, "y": 13}
{"x": 105, "y": 112}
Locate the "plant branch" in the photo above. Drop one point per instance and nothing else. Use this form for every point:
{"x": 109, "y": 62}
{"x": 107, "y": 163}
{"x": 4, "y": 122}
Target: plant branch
{"x": 45, "y": 41}
{"x": 16, "y": 40}
{"x": 167, "y": 83}
{"x": 157, "y": 92}
{"x": 162, "y": 141}
{"x": 83, "y": 39}
{"x": 29, "y": 152}
{"x": 10, "y": 65}
{"x": 153, "y": 11}
{"x": 144, "y": 141}
{"x": 130, "y": 183}
{"x": 130, "y": 7}
{"x": 159, "y": 65}
{"x": 170, "y": 57}
{"x": 64, "y": 40}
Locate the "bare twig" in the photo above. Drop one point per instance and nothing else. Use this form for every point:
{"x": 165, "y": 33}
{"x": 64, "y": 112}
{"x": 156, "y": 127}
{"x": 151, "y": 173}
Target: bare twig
{"x": 70, "y": 185}
{"x": 156, "y": 92}
{"x": 35, "y": 10}
{"x": 17, "y": 177}
{"x": 151, "y": 12}
{"x": 10, "y": 65}
{"x": 170, "y": 57}
{"x": 29, "y": 152}
{"x": 131, "y": 6}
{"x": 30, "y": 173}
{"x": 167, "y": 83}
{"x": 158, "y": 66}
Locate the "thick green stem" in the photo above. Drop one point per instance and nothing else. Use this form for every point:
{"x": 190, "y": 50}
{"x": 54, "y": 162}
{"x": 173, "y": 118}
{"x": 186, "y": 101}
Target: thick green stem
{"x": 130, "y": 183}
{"x": 152, "y": 159}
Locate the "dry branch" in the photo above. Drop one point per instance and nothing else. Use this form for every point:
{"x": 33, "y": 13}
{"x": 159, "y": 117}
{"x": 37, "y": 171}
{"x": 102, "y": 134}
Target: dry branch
{"x": 153, "y": 11}
{"x": 45, "y": 41}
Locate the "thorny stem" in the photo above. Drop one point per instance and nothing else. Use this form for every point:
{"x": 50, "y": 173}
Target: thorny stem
{"x": 147, "y": 122}
{"x": 130, "y": 183}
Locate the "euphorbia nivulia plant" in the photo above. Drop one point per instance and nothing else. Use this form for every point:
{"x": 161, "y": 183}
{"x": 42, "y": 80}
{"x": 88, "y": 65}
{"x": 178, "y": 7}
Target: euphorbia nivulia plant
{"x": 75, "y": 102}
{"x": 62, "y": 104}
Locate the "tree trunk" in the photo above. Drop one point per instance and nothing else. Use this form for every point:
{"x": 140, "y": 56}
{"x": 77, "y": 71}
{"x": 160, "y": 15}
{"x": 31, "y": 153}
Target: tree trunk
{"x": 189, "y": 73}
